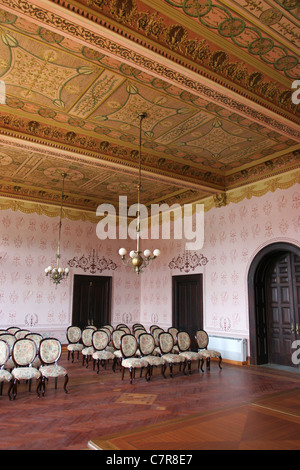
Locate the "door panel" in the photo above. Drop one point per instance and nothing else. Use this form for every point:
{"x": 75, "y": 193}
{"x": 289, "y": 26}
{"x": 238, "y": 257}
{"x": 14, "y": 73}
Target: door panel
{"x": 283, "y": 313}
{"x": 91, "y": 301}
{"x": 188, "y": 304}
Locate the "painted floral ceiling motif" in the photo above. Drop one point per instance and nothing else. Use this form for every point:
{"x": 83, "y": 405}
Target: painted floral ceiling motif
{"x": 214, "y": 78}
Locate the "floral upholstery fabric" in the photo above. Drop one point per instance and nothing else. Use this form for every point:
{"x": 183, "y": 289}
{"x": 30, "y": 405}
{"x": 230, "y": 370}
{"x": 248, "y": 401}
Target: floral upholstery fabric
{"x": 118, "y": 354}
{"x": 134, "y": 362}
{"x": 74, "y": 334}
{"x": 128, "y": 345}
{"x": 88, "y": 351}
{"x": 53, "y": 371}
{"x": 50, "y": 350}
{"x": 4, "y": 352}
{"x": 210, "y": 353}
{"x": 25, "y": 373}
{"x": 105, "y": 355}
{"x": 116, "y": 338}
{"x": 174, "y": 358}
{"x": 184, "y": 341}
{"x": 75, "y": 347}
{"x": 100, "y": 340}
{"x": 190, "y": 355}
{"x": 202, "y": 339}
{"x": 147, "y": 344}
{"x": 166, "y": 342}
{"x": 24, "y": 352}
{"x": 154, "y": 360}
{"x": 5, "y": 376}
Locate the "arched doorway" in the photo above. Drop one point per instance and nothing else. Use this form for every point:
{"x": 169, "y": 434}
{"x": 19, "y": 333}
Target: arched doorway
{"x": 274, "y": 304}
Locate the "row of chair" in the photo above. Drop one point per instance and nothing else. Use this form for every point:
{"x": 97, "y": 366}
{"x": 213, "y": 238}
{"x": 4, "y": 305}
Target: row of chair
{"x": 27, "y": 356}
{"x": 139, "y": 349}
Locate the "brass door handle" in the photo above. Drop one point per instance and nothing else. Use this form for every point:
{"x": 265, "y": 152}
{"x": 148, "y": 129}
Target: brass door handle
{"x": 297, "y": 328}
{"x": 292, "y": 328}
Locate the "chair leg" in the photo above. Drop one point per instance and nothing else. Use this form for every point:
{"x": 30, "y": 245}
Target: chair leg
{"x": 1, "y": 388}
{"x": 65, "y": 384}
{"x": 220, "y": 362}
{"x": 123, "y": 372}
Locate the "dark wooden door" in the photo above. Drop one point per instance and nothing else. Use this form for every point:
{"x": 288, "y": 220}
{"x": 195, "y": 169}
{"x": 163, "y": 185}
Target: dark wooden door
{"x": 91, "y": 301}
{"x": 188, "y": 304}
{"x": 283, "y": 308}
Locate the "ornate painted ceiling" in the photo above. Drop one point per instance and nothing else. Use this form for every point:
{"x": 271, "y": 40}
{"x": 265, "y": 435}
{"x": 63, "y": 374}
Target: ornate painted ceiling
{"x": 214, "y": 78}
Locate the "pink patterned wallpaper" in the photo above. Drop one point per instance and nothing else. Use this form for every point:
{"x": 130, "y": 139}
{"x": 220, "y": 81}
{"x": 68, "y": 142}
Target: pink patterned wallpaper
{"x": 233, "y": 236}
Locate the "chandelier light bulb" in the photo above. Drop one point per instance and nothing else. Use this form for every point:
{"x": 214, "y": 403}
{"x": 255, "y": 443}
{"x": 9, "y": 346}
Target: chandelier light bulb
{"x": 156, "y": 252}
{"x": 147, "y": 253}
{"x": 122, "y": 252}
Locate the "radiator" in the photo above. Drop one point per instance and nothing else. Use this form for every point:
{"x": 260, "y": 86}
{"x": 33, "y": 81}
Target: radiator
{"x": 234, "y": 349}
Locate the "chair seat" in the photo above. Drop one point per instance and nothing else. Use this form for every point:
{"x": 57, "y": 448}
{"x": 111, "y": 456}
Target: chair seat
{"x": 88, "y": 351}
{"x": 53, "y": 371}
{"x": 105, "y": 355}
{"x": 10, "y": 364}
{"x": 155, "y": 360}
{"x": 110, "y": 349}
{"x": 134, "y": 362}
{"x": 190, "y": 355}
{"x": 173, "y": 358}
{"x": 118, "y": 354}
{"x": 25, "y": 373}
{"x": 5, "y": 376}
{"x": 209, "y": 353}
{"x": 75, "y": 347}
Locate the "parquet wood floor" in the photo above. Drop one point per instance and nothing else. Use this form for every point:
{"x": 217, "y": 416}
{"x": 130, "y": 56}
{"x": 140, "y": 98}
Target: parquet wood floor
{"x": 238, "y": 407}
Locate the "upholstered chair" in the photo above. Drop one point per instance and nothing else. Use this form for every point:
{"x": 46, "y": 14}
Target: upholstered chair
{"x": 5, "y": 375}
{"x": 166, "y": 345}
{"x": 24, "y": 352}
{"x": 129, "y": 347}
{"x": 147, "y": 346}
{"x": 184, "y": 345}
{"x": 13, "y": 329}
{"x": 37, "y": 338}
{"x": 155, "y": 333}
{"x": 174, "y": 332}
{"x": 50, "y": 353}
{"x": 74, "y": 339}
{"x": 206, "y": 354}
{"x": 116, "y": 342}
{"x": 21, "y": 333}
{"x": 10, "y": 340}
{"x": 100, "y": 340}
{"x": 88, "y": 348}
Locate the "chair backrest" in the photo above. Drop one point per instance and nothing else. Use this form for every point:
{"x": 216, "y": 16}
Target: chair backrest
{"x": 146, "y": 344}
{"x": 152, "y": 327}
{"x": 202, "y": 339}
{"x": 100, "y": 339}
{"x": 111, "y": 328}
{"x": 86, "y": 336}
{"x": 4, "y": 353}
{"x": 10, "y": 339}
{"x": 173, "y": 332}
{"x": 21, "y": 333}
{"x": 136, "y": 326}
{"x": 126, "y": 329}
{"x": 139, "y": 331}
{"x": 24, "y": 352}
{"x": 73, "y": 334}
{"x": 107, "y": 330}
{"x": 13, "y": 329}
{"x": 91, "y": 326}
{"x": 120, "y": 326}
{"x": 50, "y": 351}
{"x": 156, "y": 332}
{"x": 129, "y": 345}
{"x": 166, "y": 342}
{"x": 116, "y": 338}
{"x": 2, "y": 332}
{"x": 183, "y": 341}
{"x": 36, "y": 337}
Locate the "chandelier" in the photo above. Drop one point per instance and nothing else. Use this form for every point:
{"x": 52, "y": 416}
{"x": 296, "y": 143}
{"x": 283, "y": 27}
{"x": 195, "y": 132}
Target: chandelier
{"x": 57, "y": 274}
{"x": 136, "y": 261}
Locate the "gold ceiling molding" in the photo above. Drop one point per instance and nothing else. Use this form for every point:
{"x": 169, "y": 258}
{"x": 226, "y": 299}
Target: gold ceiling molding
{"x": 259, "y": 189}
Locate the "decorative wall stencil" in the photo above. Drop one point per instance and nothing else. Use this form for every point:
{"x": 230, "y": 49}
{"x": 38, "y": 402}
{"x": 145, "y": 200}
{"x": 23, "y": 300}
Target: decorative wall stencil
{"x": 92, "y": 263}
{"x": 189, "y": 261}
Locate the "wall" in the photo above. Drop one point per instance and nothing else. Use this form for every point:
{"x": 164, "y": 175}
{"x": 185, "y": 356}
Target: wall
{"x": 233, "y": 236}
{"x": 28, "y": 244}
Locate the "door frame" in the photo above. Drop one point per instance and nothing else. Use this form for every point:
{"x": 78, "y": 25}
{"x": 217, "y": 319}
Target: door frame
{"x": 258, "y": 268}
